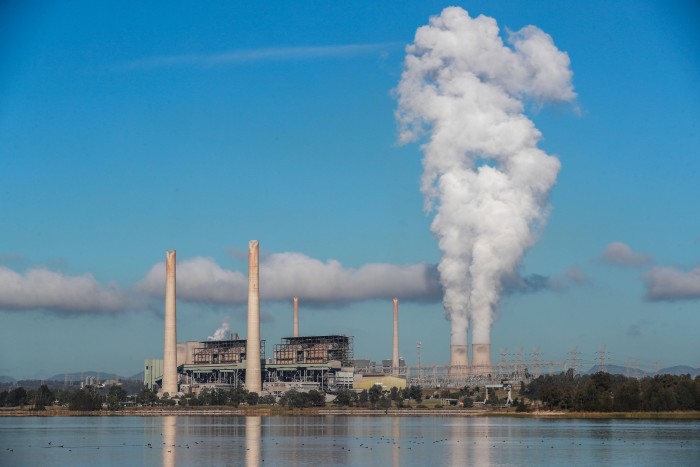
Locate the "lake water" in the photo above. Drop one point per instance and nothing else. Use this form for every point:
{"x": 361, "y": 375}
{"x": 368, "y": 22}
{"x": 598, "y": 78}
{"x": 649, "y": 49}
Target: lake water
{"x": 344, "y": 441}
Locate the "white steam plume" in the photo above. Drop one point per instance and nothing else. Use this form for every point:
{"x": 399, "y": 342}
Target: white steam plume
{"x": 483, "y": 172}
{"x": 221, "y": 333}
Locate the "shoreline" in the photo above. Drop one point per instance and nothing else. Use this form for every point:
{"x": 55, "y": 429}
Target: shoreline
{"x": 278, "y": 411}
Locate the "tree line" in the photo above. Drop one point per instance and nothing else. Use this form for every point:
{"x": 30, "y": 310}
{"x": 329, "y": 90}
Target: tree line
{"x": 604, "y": 392}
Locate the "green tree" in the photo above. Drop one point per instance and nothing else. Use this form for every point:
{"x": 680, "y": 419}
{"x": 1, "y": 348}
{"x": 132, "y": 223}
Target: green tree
{"x": 375, "y": 392}
{"x": 252, "y": 398}
{"x": 115, "y": 396}
{"x": 147, "y": 397}
{"x": 363, "y": 398}
{"x": 85, "y": 399}
{"x": 17, "y": 397}
{"x": 416, "y": 394}
{"x": 345, "y": 398}
{"x": 43, "y": 397}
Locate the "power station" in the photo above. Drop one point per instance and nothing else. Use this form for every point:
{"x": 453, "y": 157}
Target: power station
{"x": 324, "y": 362}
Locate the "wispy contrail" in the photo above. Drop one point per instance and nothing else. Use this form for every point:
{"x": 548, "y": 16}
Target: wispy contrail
{"x": 483, "y": 172}
{"x": 249, "y": 55}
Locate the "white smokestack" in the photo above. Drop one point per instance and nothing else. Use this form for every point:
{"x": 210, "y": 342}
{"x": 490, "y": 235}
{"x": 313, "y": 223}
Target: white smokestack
{"x": 170, "y": 338}
{"x": 395, "y": 354}
{"x": 253, "y": 376}
{"x": 483, "y": 171}
{"x": 295, "y": 326}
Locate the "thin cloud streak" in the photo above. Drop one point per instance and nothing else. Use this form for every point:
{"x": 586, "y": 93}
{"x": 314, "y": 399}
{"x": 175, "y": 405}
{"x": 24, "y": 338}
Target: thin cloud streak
{"x": 233, "y": 57}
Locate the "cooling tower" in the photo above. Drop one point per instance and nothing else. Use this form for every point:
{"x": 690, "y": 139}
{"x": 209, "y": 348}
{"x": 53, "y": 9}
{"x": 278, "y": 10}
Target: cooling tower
{"x": 253, "y": 377}
{"x": 296, "y": 318}
{"x": 459, "y": 361}
{"x": 395, "y": 354}
{"x": 481, "y": 358}
{"x": 170, "y": 338}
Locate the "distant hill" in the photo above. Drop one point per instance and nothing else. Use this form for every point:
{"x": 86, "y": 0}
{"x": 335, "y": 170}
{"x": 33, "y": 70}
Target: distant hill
{"x": 84, "y": 374}
{"x": 137, "y": 376}
{"x": 628, "y": 371}
{"x": 680, "y": 370}
{"x": 619, "y": 370}
{"x": 7, "y": 379}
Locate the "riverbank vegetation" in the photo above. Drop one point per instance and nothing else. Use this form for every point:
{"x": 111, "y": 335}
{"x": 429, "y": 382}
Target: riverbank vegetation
{"x": 566, "y": 394}
{"x": 603, "y": 392}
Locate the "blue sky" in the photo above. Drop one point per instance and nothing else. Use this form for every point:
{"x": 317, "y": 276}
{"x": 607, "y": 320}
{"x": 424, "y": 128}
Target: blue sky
{"x": 128, "y": 130}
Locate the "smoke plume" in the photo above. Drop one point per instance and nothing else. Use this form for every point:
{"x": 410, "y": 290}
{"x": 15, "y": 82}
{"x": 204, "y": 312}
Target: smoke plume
{"x": 221, "y": 333}
{"x": 483, "y": 173}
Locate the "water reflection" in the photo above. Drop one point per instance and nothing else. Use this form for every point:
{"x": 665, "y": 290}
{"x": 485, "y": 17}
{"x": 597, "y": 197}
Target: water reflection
{"x": 169, "y": 440}
{"x": 396, "y": 460}
{"x": 252, "y": 441}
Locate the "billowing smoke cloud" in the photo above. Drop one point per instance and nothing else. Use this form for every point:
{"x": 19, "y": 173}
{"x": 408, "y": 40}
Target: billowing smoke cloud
{"x": 483, "y": 172}
{"x": 221, "y": 333}
{"x": 284, "y": 275}
{"x": 41, "y": 288}
{"x": 621, "y": 254}
{"x": 671, "y": 284}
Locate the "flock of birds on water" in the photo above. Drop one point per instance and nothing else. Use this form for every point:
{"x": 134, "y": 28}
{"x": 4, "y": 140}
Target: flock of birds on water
{"x": 368, "y": 443}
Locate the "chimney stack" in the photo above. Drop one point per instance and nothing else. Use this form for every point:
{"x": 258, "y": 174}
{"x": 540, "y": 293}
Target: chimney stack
{"x": 253, "y": 375}
{"x": 296, "y": 317}
{"x": 170, "y": 338}
{"x": 395, "y": 354}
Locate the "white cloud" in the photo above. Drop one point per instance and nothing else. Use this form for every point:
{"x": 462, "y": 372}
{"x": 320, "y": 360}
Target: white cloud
{"x": 41, "y": 288}
{"x": 620, "y": 254}
{"x": 284, "y": 275}
{"x": 670, "y": 284}
{"x": 249, "y": 55}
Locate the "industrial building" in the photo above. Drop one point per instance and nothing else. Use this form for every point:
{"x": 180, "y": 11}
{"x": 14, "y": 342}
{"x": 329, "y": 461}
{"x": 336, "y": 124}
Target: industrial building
{"x": 308, "y": 362}
{"x": 301, "y": 362}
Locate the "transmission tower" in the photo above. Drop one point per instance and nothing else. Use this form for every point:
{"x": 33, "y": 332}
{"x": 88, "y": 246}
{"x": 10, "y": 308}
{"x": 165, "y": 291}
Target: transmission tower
{"x": 502, "y": 362}
{"x": 536, "y": 361}
{"x": 574, "y": 359}
{"x": 519, "y": 363}
{"x": 602, "y": 356}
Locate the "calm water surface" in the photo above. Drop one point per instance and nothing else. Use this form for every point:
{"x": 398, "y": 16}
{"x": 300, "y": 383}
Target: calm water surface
{"x": 344, "y": 441}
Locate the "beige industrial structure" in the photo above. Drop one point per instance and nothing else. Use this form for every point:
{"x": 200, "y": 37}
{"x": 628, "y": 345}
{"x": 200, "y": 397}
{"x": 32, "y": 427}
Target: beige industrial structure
{"x": 295, "y": 327}
{"x": 253, "y": 374}
{"x": 395, "y": 354}
{"x": 170, "y": 337}
{"x": 481, "y": 358}
{"x": 459, "y": 360}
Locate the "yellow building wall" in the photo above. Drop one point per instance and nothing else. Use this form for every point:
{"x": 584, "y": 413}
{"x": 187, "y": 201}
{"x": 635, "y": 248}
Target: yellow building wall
{"x": 387, "y": 382}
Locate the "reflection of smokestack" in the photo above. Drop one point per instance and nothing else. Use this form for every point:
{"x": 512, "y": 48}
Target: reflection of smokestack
{"x": 481, "y": 358}
{"x": 253, "y": 431}
{"x": 296, "y": 317}
{"x": 169, "y": 430}
{"x": 395, "y": 354}
{"x": 253, "y": 377}
{"x": 170, "y": 339}
{"x": 459, "y": 363}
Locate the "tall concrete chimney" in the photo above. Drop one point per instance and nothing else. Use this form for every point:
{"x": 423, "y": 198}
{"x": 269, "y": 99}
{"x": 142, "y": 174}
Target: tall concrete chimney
{"x": 481, "y": 358}
{"x": 395, "y": 354}
{"x": 459, "y": 362}
{"x": 170, "y": 340}
{"x": 253, "y": 376}
{"x": 296, "y": 317}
